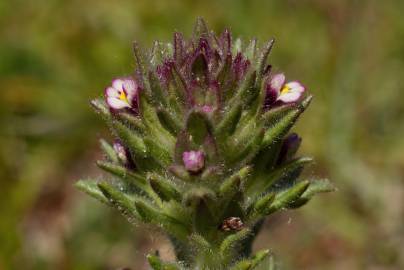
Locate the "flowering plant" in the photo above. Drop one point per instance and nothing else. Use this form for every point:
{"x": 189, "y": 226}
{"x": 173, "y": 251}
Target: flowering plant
{"x": 202, "y": 147}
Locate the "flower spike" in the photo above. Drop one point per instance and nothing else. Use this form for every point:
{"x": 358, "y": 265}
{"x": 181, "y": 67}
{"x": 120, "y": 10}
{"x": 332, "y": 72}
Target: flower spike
{"x": 202, "y": 147}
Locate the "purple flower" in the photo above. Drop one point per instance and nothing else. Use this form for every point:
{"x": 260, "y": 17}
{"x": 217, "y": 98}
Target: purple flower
{"x": 278, "y": 90}
{"x": 207, "y": 108}
{"x": 194, "y": 161}
{"x": 121, "y": 152}
{"x": 122, "y": 94}
{"x": 289, "y": 147}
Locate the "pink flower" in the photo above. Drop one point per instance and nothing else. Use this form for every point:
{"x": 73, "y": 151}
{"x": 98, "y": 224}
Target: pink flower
{"x": 122, "y": 94}
{"x": 194, "y": 161}
{"x": 278, "y": 90}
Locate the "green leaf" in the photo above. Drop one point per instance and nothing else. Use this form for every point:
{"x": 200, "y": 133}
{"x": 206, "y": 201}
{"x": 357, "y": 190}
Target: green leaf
{"x": 316, "y": 186}
{"x": 259, "y": 257}
{"x": 156, "y": 131}
{"x": 180, "y": 172}
{"x": 229, "y": 121}
{"x": 165, "y": 188}
{"x": 109, "y": 151}
{"x": 141, "y": 67}
{"x": 243, "y": 265}
{"x": 156, "y": 263}
{"x": 158, "y": 152}
{"x": 90, "y": 187}
{"x": 169, "y": 121}
{"x": 244, "y": 151}
{"x": 287, "y": 197}
{"x": 287, "y": 172}
{"x": 130, "y": 138}
{"x": 119, "y": 200}
{"x": 200, "y": 29}
{"x": 264, "y": 203}
{"x": 251, "y": 50}
{"x": 131, "y": 121}
{"x": 198, "y": 127}
{"x": 250, "y": 264}
{"x": 122, "y": 172}
{"x": 232, "y": 183}
{"x": 101, "y": 107}
{"x": 150, "y": 214}
{"x": 247, "y": 91}
{"x": 262, "y": 61}
{"x": 279, "y": 129}
{"x": 230, "y": 245}
{"x": 199, "y": 242}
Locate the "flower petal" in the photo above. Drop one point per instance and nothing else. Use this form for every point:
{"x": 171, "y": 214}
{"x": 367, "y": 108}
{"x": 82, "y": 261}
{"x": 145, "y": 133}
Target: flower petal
{"x": 118, "y": 84}
{"x": 295, "y": 87}
{"x": 131, "y": 89}
{"x": 289, "y": 97}
{"x": 277, "y": 81}
{"x": 112, "y": 92}
{"x": 116, "y": 103}
{"x": 294, "y": 91}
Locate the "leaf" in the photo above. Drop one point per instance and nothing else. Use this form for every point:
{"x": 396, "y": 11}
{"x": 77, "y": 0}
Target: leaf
{"x": 259, "y": 257}
{"x": 230, "y": 245}
{"x": 91, "y": 188}
{"x": 130, "y": 138}
{"x": 232, "y": 183}
{"x": 263, "y": 58}
{"x": 180, "y": 172}
{"x": 124, "y": 173}
{"x": 141, "y": 67}
{"x": 198, "y": 127}
{"x": 200, "y": 29}
{"x": 247, "y": 91}
{"x": 158, "y": 94}
{"x": 165, "y": 188}
{"x": 109, "y": 151}
{"x": 101, "y": 107}
{"x": 169, "y": 121}
{"x": 287, "y": 197}
{"x": 316, "y": 186}
{"x": 229, "y": 121}
{"x": 283, "y": 125}
{"x": 250, "y": 264}
{"x": 263, "y": 203}
{"x": 119, "y": 200}
{"x": 157, "y": 264}
{"x": 150, "y": 214}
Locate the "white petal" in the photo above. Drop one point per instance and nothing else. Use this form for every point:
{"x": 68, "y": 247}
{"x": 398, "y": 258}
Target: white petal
{"x": 277, "y": 81}
{"x": 130, "y": 88}
{"x": 112, "y": 92}
{"x": 295, "y": 87}
{"x": 290, "y": 96}
{"x": 130, "y": 85}
{"x": 116, "y": 103}
{"x": 118, "y": 84}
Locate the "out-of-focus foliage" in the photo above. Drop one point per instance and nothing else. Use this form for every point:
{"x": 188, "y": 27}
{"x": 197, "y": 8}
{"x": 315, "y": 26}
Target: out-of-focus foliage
{"x": 55, "y": 55}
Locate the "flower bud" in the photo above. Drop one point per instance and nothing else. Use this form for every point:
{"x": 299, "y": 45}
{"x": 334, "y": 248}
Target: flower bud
{"x": 194, "y": 161}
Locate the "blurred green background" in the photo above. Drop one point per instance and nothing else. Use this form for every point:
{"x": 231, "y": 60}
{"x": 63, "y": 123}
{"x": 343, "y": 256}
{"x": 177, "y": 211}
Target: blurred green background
{"x": 55, "y": 55}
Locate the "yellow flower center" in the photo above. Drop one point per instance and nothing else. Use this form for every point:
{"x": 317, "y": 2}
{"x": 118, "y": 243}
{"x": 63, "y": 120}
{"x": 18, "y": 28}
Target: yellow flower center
{"x": 123, "y": 97}
{"x": 285, "y": 89}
